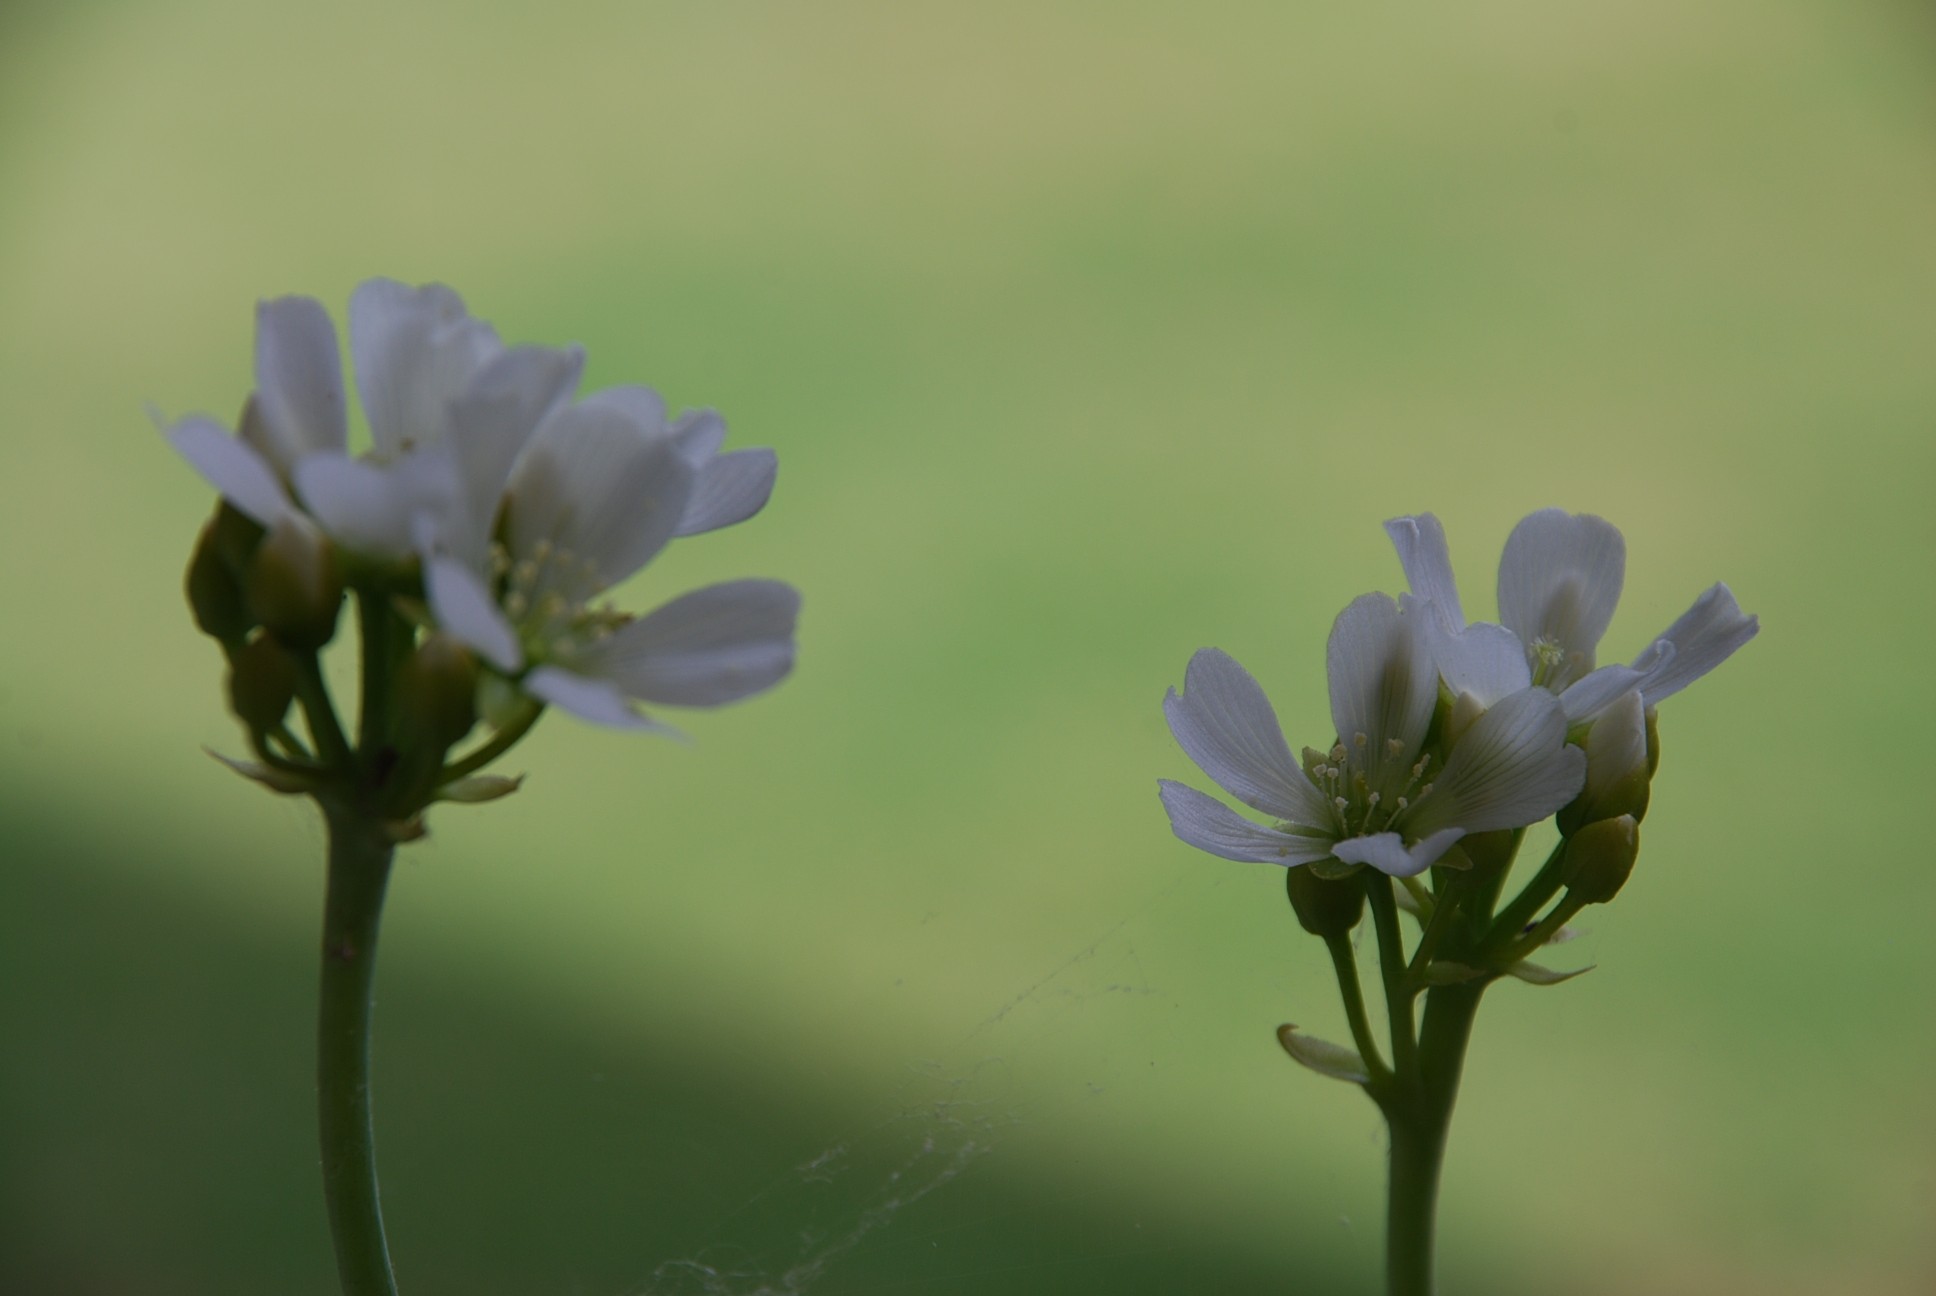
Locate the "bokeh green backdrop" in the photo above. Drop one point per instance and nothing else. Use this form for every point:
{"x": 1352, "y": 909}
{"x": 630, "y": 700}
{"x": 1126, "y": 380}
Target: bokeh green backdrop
{"x": 1088, "y": 334}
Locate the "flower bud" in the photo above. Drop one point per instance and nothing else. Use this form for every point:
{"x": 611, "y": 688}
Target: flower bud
{"x": 295, "y": 586}
{"x": 214, "y": 593}
{"x": 1619, "y": 771}
{"x": 262, "y": 683}
{"x": 1325, "y": 906}
{"x": 436, "y": 694}
{"x": 1600, "y": 857}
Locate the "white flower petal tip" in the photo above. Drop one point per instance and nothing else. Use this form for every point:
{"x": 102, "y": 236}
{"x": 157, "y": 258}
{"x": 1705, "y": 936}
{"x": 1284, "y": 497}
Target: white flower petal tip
{"x": 299, "y": 380}
{"x": 729, "y": 489}
{"x": 242, "y": 476}
{"x": 1427, "y": 562}
{"x": 1322, "y": 1056}
{"x": 1707, "y": 634}
{"x": 1225, "y": 723}
{"x": 1559, "y": 581}
{"x": 590, "y": 699}
{"x": 1209, "y": 825}
{"x": 1388, "y": 853}
{"x": 715, "y": 645}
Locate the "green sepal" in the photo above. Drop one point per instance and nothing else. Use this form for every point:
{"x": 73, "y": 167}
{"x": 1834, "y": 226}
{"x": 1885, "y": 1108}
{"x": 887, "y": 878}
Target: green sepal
{"x": 479, "y": 788}
{"x": 285, "y": 782}
{"x": 262, "y": 683}
{"x": 1534, "y": 974}
{"x": 1331, "y": 869}
{"x": 1322, "y": 1056}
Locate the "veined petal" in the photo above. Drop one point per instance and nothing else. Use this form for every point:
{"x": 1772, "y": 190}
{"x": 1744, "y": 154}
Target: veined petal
{"x": 700, "y": 434}
{"x": 642, "y": 405}
{"x": 1422, "y": 552}
{"x": 1383, "y": 685}
{"x": 298, "y": 381}
{"x": 465, "y": 609}
{"x": 243, "y": 477}
{"x": 365, "y": 507}
{"x": 493, "y": 420}
{"x": 588, "y": 699}
{"x": 1706, "y": 635}
{"x": 605, "y": 491}
{"x": 1387, "y": 852}
{"x": 416, "y": 350}
{"x": 1559, "y": 581}
{"x": 1483, "y": 659}
{"x": 1512, "y": 767}
{"x": 1224, "y": 723}
{"x": 1588, "y": 697}
{"x": 706, "y": 648}
{"x": 1209, "y": 825}
{"x": 729, "y": 488}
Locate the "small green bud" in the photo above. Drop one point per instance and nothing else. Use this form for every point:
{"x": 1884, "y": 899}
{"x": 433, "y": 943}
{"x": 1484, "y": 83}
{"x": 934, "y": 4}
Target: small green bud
{"x": 1653, "y": 741}
{"x": 436, "y": 694}
{"x": 214, "y": 594}
{"x": 1325, "y": 906}
{"x": 262, "y": 683}
{"x": 295, "y": 586}
{"x": 1322, "y": 1056}
{"x": 1600, "y": 857}
{"x": 1618, "y": 771}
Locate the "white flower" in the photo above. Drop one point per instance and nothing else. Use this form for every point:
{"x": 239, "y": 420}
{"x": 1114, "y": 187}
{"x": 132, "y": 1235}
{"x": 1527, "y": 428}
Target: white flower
{"x": 449, "y": 407}
{"x": 1559, "y": 580}
{"x": 1377, "y": 797}
{"x": 602, "y": 487}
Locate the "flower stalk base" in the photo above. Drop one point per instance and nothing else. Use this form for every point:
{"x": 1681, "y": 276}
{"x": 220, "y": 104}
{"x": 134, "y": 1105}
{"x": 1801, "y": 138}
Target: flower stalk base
{"x": 360, "y": 854}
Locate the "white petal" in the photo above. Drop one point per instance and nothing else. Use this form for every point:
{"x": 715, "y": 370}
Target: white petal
{"x": 1483, "y": 659}
{"x": 1512, "y": 767}
{"x": 238, "y": 472}
{"x": 1559, "y": 581}
{"x": 491, "y": 423}
{"x": 464, "y": 608}
{"x": 712, "y": 646}
{"x": 365, "y": 507}
{"x": 1386, "y": 851}
{"x": 1209, "y": 825}
{"x": 730, "y": 488}
{"x": 700, "y": 434}
{"x": 1706, "y": 635}
{"x": 1224, "y": 723}
{"x": 416, "y": 349}
{"x": 1586, "y": 698}
{"x": 1383, "y": 686}
{"x": 601, "y": 488}
{"x": 1422, "y": 552}
{"x": 588, "y": 699}
{"x": 298, "y": 381}
{"x": 640, "y": 404}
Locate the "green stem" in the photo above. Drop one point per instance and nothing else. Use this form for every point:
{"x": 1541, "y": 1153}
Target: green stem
{"x": 359, "y": 867}
{"x": 1391, "y": 965}
{"x": 1419, "y": 1121}
{"x": 499, "y": 743}
{"x": 1345, "y": 961}
{"x": 1562, "y": 914}
{"x": 375, "y": 624}
{"x": 1512, "y": 921}
{"x": 324, "y": 730}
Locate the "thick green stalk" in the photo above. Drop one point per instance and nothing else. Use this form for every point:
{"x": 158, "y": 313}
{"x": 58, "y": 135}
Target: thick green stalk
{"x": 359, "y": 867}
{"x": 1419, "y": 1118}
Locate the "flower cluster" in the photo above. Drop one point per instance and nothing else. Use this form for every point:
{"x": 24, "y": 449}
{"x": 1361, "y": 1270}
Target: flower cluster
{"x": 1446, "y": 728}
{"x": 493, "y": 508}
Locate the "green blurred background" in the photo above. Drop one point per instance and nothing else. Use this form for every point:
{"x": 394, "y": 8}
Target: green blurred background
{"x": 1088, "y": 334}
